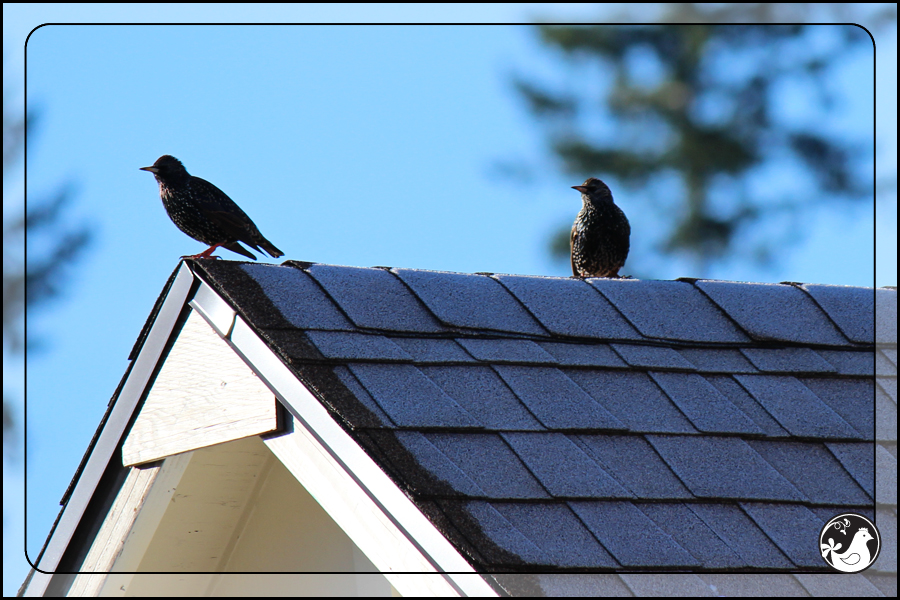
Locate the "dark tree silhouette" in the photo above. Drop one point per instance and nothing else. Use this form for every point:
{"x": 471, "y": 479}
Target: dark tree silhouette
{"x": 43, "y": 277}
{"x": 683, "y": 118}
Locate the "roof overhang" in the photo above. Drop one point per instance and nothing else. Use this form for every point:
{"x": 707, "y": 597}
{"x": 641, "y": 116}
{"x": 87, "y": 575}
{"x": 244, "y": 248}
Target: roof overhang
{"x": 364, "y": 502}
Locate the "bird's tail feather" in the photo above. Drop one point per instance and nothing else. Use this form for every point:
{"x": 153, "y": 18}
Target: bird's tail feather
{"x": 236, "y": 247}
{"x": 270, "y": 248}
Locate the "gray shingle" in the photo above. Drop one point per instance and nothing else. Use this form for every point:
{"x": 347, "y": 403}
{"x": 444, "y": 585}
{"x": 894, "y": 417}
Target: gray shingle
{"x": 750, "y": 585}
{"x": 812, "y": 470}
{"x": 849, "y": 398}
{"x": 887, "y": 522}
{"x": 431, "y": 350}
{"x": 885, "y": 316}
{"x": 436, "y": 472}
{"x": 859, "y": 460}
{"x": 652, "y": 357}
{"x": 886, "y": 583}
{"x": 826, "y": 513}
{"x": 773, "y": 312}
{"x": 576, "y": 585}
{"x": 481, "y": 392}
{"x": 886, "y": 468}
{"x": 556, "y": 530}
{"x": 488, "y": 451}
{"x": 717, "y": 360}
{"x": 788, "y": 360}
{"x": 750, "y": 407}
{"x": 885, "y": 416}
{"x": 719, "y": 467}
{"x": 608, "y": 521}
{"x": 791, "y": 527}
{"x": 692, "y": 534}
{"x": 569, "y": 307}
{"x": 375, "y": 298}
{"x": 633, "y": 399}
{"x": 562, "y": 467}
{"x": 489, "y": 462}
{"x": 742, "y": 535}
{"x": 294, "y": 344}
{"x": 555, "y": 399}
{"x": 669, "y": 310}
{"x": 884, "y": 366}
{"x": 661, "y": 585}
{"x": 826, "y": 585}
{"x": 410, "y": 398}
{"x": 707, "y": 408}
{"x": 851, "y": 308}
{"x": 850, "y": 363}
{"x": 634, "y": 464}
{"x": 581, "y": 355}
{"x": 296, "y": 296}
{"x": 508, "y": 539}
{"x": 372, "y": 416}
{"x": 792, "y": 403}
{"x": 470, "y": 301}
{"x": 506, "y": 351}
{"x": 356, "y": 346}
{"x": 889, "y": 386}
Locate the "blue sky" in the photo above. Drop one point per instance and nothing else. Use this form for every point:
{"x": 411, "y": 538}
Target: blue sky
{"x": 354, "y": 145}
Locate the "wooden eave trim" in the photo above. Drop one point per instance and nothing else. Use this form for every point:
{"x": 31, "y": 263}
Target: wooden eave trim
{"x": 107, "y": 442}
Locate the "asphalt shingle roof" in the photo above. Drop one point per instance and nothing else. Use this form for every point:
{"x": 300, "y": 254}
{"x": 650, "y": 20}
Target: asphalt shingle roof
{"x": 555, "y": 423}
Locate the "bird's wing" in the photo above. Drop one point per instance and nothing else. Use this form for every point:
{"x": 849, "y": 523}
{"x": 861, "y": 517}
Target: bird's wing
{"x": 213, "y": 202}
{"x": 209, "y": 196}
{"x": 227, "y": 215}
{"x": 216, "y": 206}
{"x": 572, "y": 251}
{"x": 241, "y": 229}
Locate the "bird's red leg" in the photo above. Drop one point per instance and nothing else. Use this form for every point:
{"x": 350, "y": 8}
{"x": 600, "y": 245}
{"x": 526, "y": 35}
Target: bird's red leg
{"x": 206, "y": 253}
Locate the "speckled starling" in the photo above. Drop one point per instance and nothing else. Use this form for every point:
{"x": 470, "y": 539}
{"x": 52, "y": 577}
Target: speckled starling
{"x": 599, "y": 240}
{"x": 204, "y": 212}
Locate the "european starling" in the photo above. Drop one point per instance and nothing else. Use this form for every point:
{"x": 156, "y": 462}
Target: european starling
{"x": 204, "y": 212}
{"x": 600, "y": 234}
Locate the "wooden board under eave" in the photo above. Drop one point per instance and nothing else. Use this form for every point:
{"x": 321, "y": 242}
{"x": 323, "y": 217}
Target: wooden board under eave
{"x": 204, "y": 394}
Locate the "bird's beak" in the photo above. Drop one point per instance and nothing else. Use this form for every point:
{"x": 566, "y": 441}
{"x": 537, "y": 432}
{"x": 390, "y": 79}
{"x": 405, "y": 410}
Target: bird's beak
{"x": 580, "y": 188}
{"x": 153, "y": 170}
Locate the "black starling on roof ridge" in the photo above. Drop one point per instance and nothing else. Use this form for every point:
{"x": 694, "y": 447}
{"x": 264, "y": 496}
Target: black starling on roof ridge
{"x": 599, "y": 240}
{"x": 206, "y": 213}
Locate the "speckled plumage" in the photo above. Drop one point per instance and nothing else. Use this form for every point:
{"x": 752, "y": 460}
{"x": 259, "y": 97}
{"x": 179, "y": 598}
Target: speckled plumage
{"x": 600, "y": 235}
{"x": 204, "y": 212}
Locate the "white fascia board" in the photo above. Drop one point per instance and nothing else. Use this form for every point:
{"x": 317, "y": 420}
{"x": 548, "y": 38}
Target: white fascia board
{"x": 214, "y": 309}
{"x": 144, "y": 365}
{"x": 345, "y": 455}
